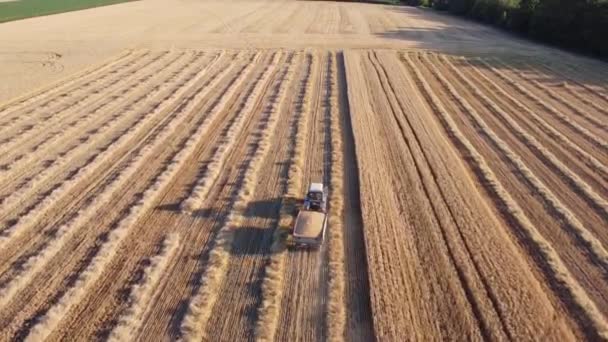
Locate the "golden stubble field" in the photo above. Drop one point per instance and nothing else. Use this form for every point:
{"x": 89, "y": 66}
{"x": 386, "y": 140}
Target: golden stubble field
{"x": 147, "y": 184}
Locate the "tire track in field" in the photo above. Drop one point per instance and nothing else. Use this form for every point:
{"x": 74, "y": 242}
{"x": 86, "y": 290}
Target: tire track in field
{"x": 588, "y": 158}
{"x": 49, "y": 321}
{"x": 272, "y": 283}
{"x": 53, "y": 107}
{"x": 554, "y": 269}
{"x": 557, "y": 208}
{"x": 97, "y": 134}
{"x": 193, "y": 325}
{"x": 69, "y": 82}
{"x": 66, "y": 231}
{"x": 145, "y": 292}
{"x": 26, "y": 220}
{"x": 584, "y": 132}
{"x": 57, "y": 115}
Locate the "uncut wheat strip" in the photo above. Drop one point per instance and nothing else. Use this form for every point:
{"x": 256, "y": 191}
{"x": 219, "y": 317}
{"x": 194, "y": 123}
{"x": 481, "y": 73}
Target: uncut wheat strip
{"x": 108, "y": 250}
{"x": 64, "y": 233}
{"x": 550, "y": 130}
{"x": 579, "y": 186}
{"x": 198, "y": 195}
{"x": 64, "y": 84}
{"x": 102, "y": 133}
{"x": 79, "y": 112}
{"x": 145, "y": 292}
{"x": 336, "y": 305}
{"x": 272, "y": 283}
{"x": 201, "y": 305}
{"x": 54, "y": 106}
{"x": 26, "y": 221}
{"x": 513, "y": 210}
{"x": 590, "y": 118}
{"x": 545, "y": 192}
{"x": 559, "y": 116}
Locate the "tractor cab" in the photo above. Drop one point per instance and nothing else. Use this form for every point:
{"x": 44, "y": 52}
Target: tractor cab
{"x": 316, "y": 198}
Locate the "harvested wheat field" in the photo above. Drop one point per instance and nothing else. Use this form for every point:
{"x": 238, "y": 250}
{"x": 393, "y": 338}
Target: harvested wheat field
{"x": 151, "y": 170}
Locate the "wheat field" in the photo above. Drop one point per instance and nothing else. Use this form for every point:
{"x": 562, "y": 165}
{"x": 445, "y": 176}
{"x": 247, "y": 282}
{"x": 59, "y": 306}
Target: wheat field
{"x": 147, "y": 194}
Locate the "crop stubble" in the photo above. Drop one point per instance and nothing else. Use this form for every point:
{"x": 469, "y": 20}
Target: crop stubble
{"x": 467, "y": 197}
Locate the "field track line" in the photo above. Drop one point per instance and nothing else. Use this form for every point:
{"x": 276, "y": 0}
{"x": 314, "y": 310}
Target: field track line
{"x": 67, "y": 230}
{"x": 52, "y": 318}
{"x": 589, "y": 118}
{"x": 549, "y": 198}
{"x": 99, "y": 135}
{"x": 91, "y": 71}
{"x": 272, "y": 283}
{"x": 578, "y": 185}
{"x": 589, "y": 159}
{"x": 201, "y": 304}
{"x": 554, "y": 112}
{"x": 498, "y": 329}
{"x": 31, "y": 218}
{"x": 79, "y": 111}
{"x": 557, "y": 272}
{"x": 144, "y": 294}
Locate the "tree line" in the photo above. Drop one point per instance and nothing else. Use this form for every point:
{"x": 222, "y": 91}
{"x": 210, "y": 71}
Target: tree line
{"x": 578, "y": 24}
